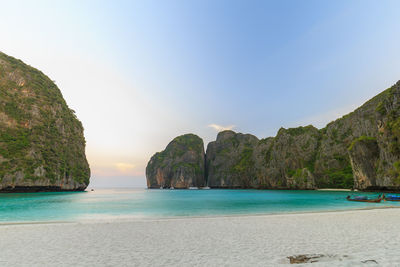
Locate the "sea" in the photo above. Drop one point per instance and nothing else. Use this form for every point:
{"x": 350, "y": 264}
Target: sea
{"x": 114, "y": 203}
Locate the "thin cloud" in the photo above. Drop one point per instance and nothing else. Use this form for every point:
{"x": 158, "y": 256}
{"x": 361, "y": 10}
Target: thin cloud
{"x": 220, "y": 128}
{"x": 124, "y": 167}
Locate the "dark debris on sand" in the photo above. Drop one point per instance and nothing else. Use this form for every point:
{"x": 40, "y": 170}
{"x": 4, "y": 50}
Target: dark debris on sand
{"x": 311, "y": 258}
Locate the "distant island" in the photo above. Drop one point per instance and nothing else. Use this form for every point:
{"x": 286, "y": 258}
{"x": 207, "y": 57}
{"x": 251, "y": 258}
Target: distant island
{"x": 361, "y": 150}
{"x": 42, "y": 147}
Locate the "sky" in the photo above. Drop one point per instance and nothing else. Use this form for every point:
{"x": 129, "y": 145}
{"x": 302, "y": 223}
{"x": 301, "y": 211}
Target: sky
{"x": 139, "y": 73}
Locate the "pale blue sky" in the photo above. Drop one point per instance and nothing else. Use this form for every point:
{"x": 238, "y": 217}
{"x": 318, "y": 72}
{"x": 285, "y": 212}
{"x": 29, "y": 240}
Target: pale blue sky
{"x": 139, "y": 73}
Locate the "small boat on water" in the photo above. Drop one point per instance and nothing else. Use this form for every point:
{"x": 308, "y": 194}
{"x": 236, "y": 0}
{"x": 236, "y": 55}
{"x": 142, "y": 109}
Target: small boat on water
{"x": 365, "y": 199}
{"x": 391, "y": 198}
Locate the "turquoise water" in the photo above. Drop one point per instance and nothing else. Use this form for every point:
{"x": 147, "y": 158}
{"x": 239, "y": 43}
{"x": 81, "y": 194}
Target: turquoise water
{"x": 143, "y": 203}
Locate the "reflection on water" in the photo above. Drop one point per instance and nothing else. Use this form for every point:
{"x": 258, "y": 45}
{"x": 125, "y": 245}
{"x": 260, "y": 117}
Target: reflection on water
{"x": 139, "y": 203}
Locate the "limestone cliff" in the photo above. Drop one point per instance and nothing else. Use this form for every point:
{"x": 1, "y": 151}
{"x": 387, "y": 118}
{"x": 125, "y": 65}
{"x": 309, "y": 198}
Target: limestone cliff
{"x": 180, "y": 165}
{"x": 360, "y": 150}
{"x": 375, "y": 155}
{"x": 236, "y": 160}
{"x": 42, "y": 147}
{"x": 364, "y": 157}
{"x": 230, "y": 160}
{"x": 286, "y": 161}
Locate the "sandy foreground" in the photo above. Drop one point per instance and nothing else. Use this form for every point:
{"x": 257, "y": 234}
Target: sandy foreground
{"x": 349, "y": 238}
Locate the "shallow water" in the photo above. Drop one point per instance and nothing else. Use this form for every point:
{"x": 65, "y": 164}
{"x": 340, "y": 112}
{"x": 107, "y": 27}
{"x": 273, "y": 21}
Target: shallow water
{"x": 144, "y": 203}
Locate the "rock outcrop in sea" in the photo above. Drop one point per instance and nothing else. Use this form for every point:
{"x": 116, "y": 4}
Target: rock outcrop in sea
{"x": 180, "y": 165}
{"x": 360, "y": 150}
{"x": 42, "y": 147}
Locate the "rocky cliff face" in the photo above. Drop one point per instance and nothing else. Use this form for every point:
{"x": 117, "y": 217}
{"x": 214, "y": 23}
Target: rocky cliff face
{"x": 375, "y": 155}
{"x": 180, "y": 165}
{"x": 361, "y": 150}
{"x": 364, "y": 157}
{"x": 238, "y": 160}
{"x": 286, "y": 161}
{"x": 42, "y": 147}
{"x": 230, "y": 160}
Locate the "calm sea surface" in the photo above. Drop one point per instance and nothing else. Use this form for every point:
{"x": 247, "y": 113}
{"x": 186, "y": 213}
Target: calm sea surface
{"x": 144, "y": 203}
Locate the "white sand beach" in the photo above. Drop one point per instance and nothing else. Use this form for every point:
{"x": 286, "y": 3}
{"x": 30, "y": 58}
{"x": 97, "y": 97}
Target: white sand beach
{"x": 348, "y": 238}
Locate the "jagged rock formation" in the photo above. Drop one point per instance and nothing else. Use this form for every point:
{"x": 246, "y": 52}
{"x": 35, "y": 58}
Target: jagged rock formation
{"x": 375, "y": 156}
{"x": 42, "y": 147}
{"x": 180, "y": 165}
{"x": 360, "y": 150}
{"x": 236, "y": 160}
{"x": 288, "y": 158}
{"x": 230, "y": 161}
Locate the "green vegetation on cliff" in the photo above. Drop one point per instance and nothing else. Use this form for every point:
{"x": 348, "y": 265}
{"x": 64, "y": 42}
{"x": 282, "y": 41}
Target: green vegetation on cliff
{"x": 362, "y": 138}
{"x": 245, "y": 161}
{"x": 40, "y": 137}
{"x": 339, "y": 178}
{"x": 361, "y": 150}
{"x": 179, "y": 165}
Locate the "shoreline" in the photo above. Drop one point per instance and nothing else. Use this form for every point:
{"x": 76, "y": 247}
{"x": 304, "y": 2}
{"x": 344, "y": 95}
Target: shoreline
{"x": 336, "y": 189}
{"x": 131, "y": 218}
{"x": 339, "y": 238}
